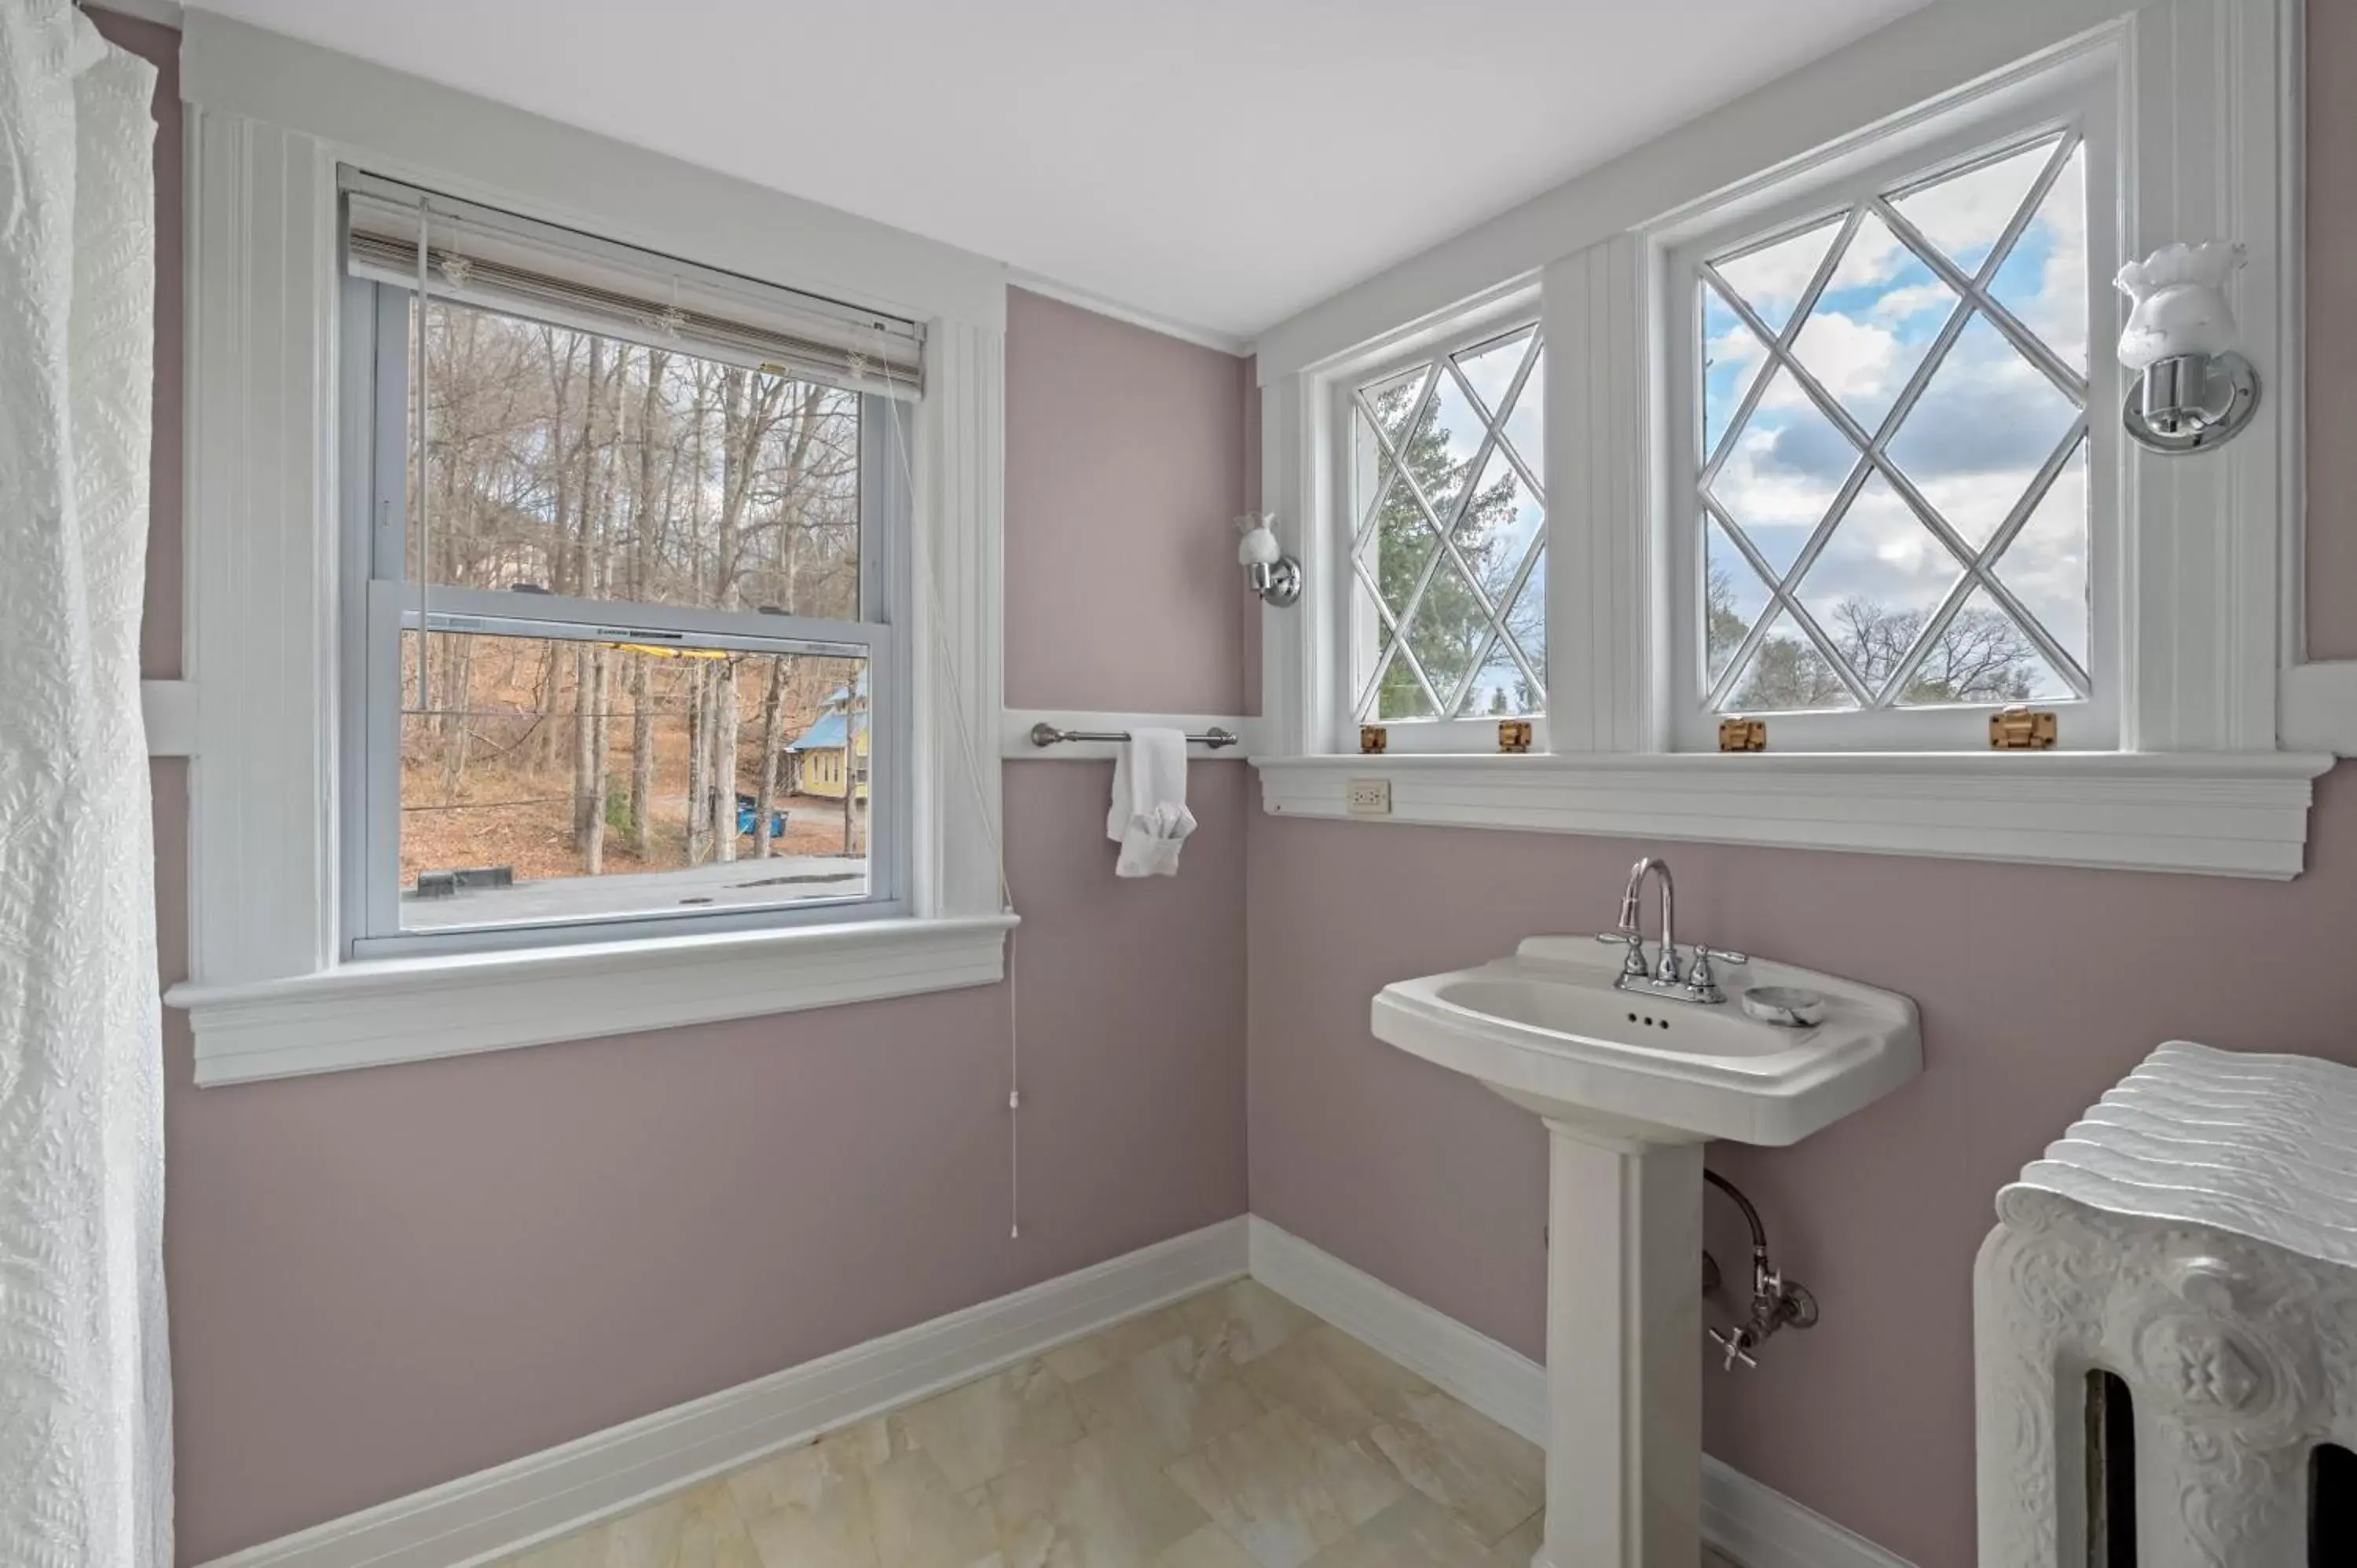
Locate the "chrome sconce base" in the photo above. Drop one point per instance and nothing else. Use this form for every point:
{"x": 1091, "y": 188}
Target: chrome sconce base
{"x": 1278, "y": 582}
{"x": 2190, "y": 403}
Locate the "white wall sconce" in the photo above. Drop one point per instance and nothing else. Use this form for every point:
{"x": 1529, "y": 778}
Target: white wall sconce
{"x": 1268, "y": 570}
{"x": 2191, "y": 390}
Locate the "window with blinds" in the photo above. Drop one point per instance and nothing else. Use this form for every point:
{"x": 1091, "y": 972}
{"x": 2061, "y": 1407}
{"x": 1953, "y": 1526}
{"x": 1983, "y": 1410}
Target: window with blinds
{"x": 498, "y": 260}
{"x": 629, "y": 536}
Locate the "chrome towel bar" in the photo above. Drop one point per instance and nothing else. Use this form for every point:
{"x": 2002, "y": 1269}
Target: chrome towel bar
{"x": 1046, "y": 734}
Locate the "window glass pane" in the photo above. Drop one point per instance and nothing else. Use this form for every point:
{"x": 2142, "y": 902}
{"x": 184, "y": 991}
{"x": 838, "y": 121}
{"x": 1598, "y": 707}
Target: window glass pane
{"x": 566, "y": 462}
{"x": 559, "y": 779}
{"x": 1525, "y": 427}
{"x": 1442, "y": 447}
{"x": 1784, "y": 472}
{"x": 2046, "y": 564}
{"x": 1983, "y": 656}
{"x": 1772, "y": 278}
{"x": 1734, "y": 598}
{"x": 1966, "y": 214}
{"x": 1877, "y": 581}
{"x": 1985, "y": 425}
{"x": 2043, "y": 279}
{"x": 1788, "y": 675}
{"x": 1870, "y": 328}
{"x": 1732, "y": 356}
{"x": 1447, "y": 631}
{"x": 1490, "y": 368}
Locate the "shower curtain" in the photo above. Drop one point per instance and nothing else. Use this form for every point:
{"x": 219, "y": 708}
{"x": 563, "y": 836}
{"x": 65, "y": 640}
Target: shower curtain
{"x": 85, "y": 1398}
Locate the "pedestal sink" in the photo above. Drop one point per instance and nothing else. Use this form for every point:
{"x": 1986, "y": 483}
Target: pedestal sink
{"x": 1631, "y": 1086}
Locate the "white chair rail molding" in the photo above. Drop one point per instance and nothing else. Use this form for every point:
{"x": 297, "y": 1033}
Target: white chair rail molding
{"x": 1808, "y": 422}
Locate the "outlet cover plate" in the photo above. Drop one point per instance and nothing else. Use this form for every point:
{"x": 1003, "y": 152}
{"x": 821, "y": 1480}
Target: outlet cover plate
{"x": 1369, "y": 797}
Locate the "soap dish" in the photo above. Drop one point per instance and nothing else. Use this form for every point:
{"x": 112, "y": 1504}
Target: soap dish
{"x": 1788, "y": 1006}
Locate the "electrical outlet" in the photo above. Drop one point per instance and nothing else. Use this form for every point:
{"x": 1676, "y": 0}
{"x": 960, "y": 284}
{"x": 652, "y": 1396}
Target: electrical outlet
{"x": 1369, "y": 797}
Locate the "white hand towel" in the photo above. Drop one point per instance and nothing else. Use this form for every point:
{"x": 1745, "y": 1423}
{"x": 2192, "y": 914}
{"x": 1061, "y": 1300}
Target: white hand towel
{"x": 1149, "y": 818}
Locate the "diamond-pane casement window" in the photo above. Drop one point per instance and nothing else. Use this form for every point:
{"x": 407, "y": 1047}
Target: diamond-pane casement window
{"x": 1449, "y": 508}
{"x": 1892, "y": 467}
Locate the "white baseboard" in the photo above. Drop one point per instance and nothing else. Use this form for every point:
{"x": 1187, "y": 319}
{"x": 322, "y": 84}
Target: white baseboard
{"x": 1501, "y": 1382}
{"x": 478, "y": 1518}
{"x": 1753, "y": 1524}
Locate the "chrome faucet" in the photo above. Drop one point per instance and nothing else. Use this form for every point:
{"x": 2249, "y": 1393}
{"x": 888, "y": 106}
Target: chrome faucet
{"x": 1663, "y": 977}
{"x": 1665, "y": 966}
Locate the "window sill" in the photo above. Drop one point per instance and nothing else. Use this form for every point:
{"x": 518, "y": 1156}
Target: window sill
{"x": 2226, "y": 814}
{"x": 409, "y": 1009}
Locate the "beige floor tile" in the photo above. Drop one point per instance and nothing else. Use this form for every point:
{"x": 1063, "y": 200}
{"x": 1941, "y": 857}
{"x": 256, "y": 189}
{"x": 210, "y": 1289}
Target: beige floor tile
{"x": 1209, "y": 1547}
{"x": 1335, "y": 1381}
{"x": 1285, "y": 1489}
{"x": 1462, "y": 1460}
{"x": 1178, "y": 1396}
{"x": 808, "y": 1509}
{"x": 988, "y": 1426}
{"x": 712, "y": 1531}
{"x": 1414, "y": 1533}
{"x": 1522, "y": 1542}
{"x": 1243, "y": 1320}
{"x": 1122, "y": 1342}
{"x": 918, "y": 1520}
{"x": 1103, "y": 1502}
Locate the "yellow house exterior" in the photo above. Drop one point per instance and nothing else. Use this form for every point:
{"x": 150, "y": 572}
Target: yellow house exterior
{"x": 818, "y": 769}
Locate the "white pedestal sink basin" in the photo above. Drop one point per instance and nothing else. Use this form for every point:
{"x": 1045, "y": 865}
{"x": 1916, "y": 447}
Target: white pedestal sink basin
{"x": 1631, "y": 1085}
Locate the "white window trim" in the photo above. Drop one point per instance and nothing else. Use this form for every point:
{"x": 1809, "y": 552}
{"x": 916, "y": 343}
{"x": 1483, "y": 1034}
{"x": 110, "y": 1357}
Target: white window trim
{"x": 2212, "y": 576}
{"x": 269, "y": 119}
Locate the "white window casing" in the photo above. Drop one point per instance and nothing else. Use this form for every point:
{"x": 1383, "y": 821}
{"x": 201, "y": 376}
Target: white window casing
{"x": 2198, "y": 594}
{"x": 270, "y": 991}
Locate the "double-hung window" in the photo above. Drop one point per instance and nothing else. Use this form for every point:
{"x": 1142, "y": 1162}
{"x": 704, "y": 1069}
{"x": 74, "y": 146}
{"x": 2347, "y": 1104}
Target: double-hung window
{"x": 626, "y": 554}
{"x": 1892, "y": 465}
{"x": 1446, "y": 522}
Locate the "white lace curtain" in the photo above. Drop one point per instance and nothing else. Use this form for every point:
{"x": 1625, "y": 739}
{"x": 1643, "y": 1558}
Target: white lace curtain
{"x": 85, "y": 1400}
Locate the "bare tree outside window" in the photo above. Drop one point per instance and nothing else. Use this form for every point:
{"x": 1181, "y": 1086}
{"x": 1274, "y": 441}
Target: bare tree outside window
{"x": 561, "y": 462}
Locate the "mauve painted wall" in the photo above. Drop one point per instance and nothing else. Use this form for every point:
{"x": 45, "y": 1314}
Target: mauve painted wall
{"x": 385, "y": 1279}
{"x": 2039, "y": 987}
{"x": 1125, "y": 465}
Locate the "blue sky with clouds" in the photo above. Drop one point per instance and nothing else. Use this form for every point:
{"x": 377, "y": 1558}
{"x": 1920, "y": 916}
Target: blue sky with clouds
{"x": 1985, "y": 424}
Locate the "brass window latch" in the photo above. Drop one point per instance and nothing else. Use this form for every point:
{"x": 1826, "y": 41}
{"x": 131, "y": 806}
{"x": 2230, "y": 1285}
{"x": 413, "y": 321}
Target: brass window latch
{"x": 1743, "y": 735}
{"x": 2024, "y": 729}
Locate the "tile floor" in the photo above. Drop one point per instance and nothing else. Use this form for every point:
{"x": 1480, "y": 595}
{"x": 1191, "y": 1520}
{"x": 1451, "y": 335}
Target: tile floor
{"x": 1232, "y": 1430}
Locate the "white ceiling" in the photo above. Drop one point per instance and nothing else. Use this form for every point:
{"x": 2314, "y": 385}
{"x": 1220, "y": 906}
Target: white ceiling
{"x": 1217, "y": 162}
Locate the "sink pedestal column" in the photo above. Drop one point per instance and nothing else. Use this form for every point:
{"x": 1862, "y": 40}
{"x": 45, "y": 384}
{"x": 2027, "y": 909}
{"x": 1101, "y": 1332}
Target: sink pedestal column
{"x": 1624, "y": 1359}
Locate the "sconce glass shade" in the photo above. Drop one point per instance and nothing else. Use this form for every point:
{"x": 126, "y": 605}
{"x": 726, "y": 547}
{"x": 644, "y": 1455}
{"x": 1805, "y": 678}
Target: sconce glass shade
{"x": 2180, "y": 303}
{"x": 1268, "y": 570}
{"x": 2188, "y": 388}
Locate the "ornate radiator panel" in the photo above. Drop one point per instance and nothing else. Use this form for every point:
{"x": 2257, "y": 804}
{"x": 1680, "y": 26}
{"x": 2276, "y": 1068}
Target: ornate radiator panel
{"x": 2196, "y": 1234}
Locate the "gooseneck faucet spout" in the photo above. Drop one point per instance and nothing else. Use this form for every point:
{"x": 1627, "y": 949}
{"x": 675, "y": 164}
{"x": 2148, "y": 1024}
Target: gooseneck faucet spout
{"x": 1666, "y": 963}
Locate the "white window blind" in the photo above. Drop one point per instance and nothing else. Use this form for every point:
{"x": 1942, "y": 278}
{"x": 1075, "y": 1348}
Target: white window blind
{"x": 496, "y": 261}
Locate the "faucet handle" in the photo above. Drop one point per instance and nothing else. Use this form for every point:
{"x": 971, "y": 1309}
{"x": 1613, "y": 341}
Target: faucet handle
{"x": 1635, "y": 941}
{"x": 1737, "y": 1344}
{"x": 1720, "y": 954}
